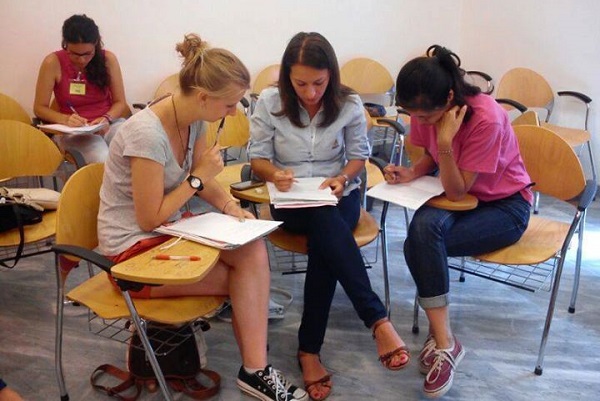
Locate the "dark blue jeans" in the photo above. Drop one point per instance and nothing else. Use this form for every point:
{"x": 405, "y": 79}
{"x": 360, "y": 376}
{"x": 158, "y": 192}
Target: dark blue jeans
{"x": 434, "y": 234}
{"x": 332, "y": 256}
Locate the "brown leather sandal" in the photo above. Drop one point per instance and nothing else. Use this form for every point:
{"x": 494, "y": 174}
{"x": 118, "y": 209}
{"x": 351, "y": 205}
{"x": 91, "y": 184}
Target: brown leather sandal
{"x": 309, "y": 385}
{"x": 387, "y": 358}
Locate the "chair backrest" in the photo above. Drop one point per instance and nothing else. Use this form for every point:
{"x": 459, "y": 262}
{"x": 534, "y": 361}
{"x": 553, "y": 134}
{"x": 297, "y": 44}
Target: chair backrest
{"x": 236, "y": 130}
{"x": 77, "y": 213}
{"x": 267, "y": 77}
{"x": 10, "y": 109}
{"x": 551, "y": 162}
{"x": 526, "y": 87}
{"x": 529, "y": 117}
{"x": 26, "y": 151}
{"x": 366, "y": 76}
{"x": 481, "y": 80}
{"x": 168, "y": 85}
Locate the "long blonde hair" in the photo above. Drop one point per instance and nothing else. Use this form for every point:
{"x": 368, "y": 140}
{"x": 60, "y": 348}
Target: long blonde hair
{"x": 217, "y": 71}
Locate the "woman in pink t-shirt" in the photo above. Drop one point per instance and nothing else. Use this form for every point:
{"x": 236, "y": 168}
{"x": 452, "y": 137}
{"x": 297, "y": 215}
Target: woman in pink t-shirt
{"x": 469, "y": 141}
{"x": 87, "y": 85}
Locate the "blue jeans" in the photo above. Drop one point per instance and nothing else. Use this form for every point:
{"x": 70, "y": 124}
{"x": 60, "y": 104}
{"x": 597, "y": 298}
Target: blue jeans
{"x": 434, "y": 234}
{"x": 332, "y": 256}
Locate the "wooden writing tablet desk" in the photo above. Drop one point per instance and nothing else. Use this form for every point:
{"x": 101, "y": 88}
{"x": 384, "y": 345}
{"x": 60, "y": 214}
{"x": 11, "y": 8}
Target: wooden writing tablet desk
{"x": 143, "y": 268}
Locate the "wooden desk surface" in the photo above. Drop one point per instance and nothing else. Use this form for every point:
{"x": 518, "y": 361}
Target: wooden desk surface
{"x": 441, "y": 202}
{"x": 254, "y": 195}
{"x": 144, "y": 269}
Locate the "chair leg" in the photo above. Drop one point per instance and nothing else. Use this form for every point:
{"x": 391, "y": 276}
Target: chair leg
{"x": 415, "y": 328}
{"x": 536, "y": 202}
{"x": 551, "y": 304}
{"x": 60, "y": 296}
{"x": 147, "y": 346}
{"x": 463, "y": 261}
{"x": 577, "y": 274}
{"x": 384, "y": 258}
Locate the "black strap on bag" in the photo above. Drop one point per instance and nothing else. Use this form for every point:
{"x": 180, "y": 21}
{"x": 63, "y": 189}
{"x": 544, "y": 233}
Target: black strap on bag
{"x": 180, "y": 365}
{"x": 16, "y": 215}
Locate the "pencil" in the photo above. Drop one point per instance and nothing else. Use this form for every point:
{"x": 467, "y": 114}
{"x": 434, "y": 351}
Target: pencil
{"x": 219, "y": 131}
{"x": 177, "y": 257}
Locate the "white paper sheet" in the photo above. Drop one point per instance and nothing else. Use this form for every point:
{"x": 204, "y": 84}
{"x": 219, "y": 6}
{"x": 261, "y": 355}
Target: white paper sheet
{"x": 411, "y": 194}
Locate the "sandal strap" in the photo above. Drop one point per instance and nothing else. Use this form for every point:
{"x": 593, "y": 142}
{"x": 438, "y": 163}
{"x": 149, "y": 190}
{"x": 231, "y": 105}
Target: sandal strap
{"x": 322, "y": 381}
{"x": 403, "y": 350}
{"x": 379, "y": 323}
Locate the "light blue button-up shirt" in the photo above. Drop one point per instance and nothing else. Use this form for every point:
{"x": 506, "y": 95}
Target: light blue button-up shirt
{"x": 311, "y": 151}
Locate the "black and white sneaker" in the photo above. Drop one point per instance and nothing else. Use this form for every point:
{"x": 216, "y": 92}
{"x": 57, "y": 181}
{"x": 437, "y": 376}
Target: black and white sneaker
{"x": 269, "y": 385}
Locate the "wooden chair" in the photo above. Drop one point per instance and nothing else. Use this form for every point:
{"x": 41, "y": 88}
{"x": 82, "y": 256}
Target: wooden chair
{"x": 235, "y": 134}
{"x": 10, "y": 109}
{"x": 537, "y": 260}
{"x": 531, "y": 90}
{"x": 265, "y": 78}
{"x": 76, "y": 237}
{"x": 368, "y": 78}
{"x": 27, "y": 152}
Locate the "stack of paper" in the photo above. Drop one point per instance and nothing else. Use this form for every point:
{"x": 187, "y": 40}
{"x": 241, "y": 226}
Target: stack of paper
{"x": 65, "y": 129}
{"x": 412, "y": 194}
{"x": 219, "y": 230}
{"x": 305, "y": 192}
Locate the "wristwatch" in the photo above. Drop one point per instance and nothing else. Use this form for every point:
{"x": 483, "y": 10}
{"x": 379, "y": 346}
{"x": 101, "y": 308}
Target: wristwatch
{"x": 346, "y": 179}
{"x": 195, "y": 182}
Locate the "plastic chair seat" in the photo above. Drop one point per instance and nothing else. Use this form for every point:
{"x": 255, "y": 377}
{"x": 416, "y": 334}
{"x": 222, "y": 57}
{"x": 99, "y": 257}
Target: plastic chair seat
{"x": 540, "y": 242}
{"x": 574, "y": 137}
{"x": 33, "y": 233}
{"x": 366, "y": 231}
{"x": 99, "y": 295}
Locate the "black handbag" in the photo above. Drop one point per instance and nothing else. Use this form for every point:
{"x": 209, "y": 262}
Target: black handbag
{"x": 15, "y": 214}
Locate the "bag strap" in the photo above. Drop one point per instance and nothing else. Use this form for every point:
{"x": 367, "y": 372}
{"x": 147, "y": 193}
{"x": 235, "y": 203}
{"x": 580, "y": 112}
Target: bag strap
{"x": 127, "y": 378}
{"x": 196, "y": 390}
{"x": 15, "y": 209}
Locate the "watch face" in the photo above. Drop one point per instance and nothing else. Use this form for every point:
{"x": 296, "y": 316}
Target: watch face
{"x": 195, "y": 182}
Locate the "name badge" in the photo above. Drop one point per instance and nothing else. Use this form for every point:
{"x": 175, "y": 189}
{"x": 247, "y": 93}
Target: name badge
{"x": 77, "y": 88}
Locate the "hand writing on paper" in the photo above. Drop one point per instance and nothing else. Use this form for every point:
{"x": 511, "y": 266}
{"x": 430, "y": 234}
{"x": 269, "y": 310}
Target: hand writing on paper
{"x": 75, "y": 120}
{"x": 209, "y": 164}
{"x": 283, "y": 179}
{"x": 398, "y": 174}
{"x": 337, "y": 185}
{"x": 448, "y": 126}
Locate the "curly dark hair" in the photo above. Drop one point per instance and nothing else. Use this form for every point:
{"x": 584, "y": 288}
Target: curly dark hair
{"x": 82, "y": 29}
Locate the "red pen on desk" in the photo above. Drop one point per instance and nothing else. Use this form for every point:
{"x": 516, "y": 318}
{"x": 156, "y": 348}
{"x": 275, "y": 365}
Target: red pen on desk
{"x": 177, "y": 257}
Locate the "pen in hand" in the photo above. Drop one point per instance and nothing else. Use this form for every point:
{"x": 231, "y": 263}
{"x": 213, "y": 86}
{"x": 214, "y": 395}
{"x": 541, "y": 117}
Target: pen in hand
{"x": 177, "y": 257}
{"x": 219, "y": 131}
{"x": 70, "y": 105}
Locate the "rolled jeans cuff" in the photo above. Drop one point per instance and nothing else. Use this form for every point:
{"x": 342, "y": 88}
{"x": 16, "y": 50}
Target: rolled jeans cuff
{"x": 438, "y": 301}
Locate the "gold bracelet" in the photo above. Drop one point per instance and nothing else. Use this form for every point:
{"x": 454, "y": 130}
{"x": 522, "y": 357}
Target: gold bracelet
{"x": 447, "y": 152}
{"x": 225, "y": 205}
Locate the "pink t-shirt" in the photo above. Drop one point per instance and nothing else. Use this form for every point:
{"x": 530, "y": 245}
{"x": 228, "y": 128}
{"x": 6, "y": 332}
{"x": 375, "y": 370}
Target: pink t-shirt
{"x": 96, "y": 101}
{"x": 486, "y": 145}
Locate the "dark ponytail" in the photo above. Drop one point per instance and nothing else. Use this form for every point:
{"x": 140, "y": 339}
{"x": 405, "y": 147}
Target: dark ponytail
{"x": 424, "y": 83}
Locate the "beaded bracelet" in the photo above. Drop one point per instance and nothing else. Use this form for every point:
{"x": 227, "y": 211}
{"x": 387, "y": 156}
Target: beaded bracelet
{"x": 225, "y": 205}
{"x": 447, "y": 152}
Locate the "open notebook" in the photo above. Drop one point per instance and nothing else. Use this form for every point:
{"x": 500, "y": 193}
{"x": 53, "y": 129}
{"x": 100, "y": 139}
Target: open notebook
{"x": 219, "y": 230}
{"x": 412, "y": 194}
{"x": 65, "y": 129}
{"x": 305, "y": 192}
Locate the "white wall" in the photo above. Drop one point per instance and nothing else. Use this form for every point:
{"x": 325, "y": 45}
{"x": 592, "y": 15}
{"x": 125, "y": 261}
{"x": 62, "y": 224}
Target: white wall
{"x": 143, "y": 34}
{"x": 557, "y": 38}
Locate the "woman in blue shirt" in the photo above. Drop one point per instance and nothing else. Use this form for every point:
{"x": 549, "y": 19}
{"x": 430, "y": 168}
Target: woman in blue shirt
{"x": 311, "y": 125}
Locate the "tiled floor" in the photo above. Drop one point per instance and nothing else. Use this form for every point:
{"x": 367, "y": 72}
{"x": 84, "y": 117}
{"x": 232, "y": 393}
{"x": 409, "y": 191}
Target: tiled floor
{"x": 499, "y": 326}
